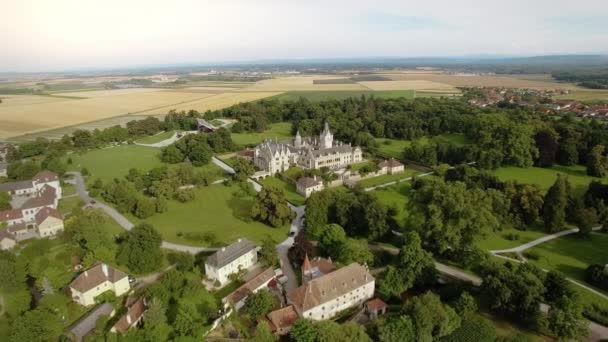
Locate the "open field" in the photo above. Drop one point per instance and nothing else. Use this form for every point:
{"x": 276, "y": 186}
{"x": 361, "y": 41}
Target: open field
{"x": 585, "y": 95}
{"x": 153, "y": 139}
{"x": 215, "y": 210}
{"x": 505, "y": 238}
{"x": 108, "y": 92}
{"x": 396, "y": 196}
{"x": 288, "y": 189}
{"x": 545, "y": 177}
{"x": 281, "y": 131}
{"x": 410, "y": 84}
{"x": 302, "y": 83}
{"x": 342, "y": 94}
{"x": 213, "y": 102}
{"x": 395, "y": 147}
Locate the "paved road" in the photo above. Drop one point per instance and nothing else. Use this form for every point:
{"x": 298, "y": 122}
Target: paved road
{"x": 175, "y": 138}
{"x": 538, "y": 241}
{"x": 397, "y": 181}
{"x": 283, "y": 247}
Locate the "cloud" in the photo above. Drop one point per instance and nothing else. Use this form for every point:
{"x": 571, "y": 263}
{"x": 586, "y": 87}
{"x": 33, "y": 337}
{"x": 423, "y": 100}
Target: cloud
{"x": 579, "y": 25}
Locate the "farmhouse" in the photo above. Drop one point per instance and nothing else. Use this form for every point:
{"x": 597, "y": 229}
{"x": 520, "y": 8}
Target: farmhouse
{"x": 324, "y": 297}
{"x": 391, "y": 167}
{"x": 310, "y": 153}
{"x": 260, "y": 281}
{"x": 305, "y": 186}
{"x": 97, "y": 280}
{"x": 231, "y": 259}
{"x": 135, "y": 314}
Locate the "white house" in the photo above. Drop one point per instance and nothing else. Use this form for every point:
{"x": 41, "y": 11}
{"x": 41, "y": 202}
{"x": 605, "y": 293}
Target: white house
{"x": 391, "y": 167}
{"x": 305, "y": 186}
{"x": 49, "y": 222}
{"x": 326, "y": 296}
{"x": 97, "y": 280}
{"x": 231, "y": 259}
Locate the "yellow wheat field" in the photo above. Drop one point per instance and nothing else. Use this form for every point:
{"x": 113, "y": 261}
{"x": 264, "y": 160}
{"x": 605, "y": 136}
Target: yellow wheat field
{"x": 106, "y": 93}
{"x": 215, "y": 102}
{"x": 523, "y": 81}
{"x": 414, "y": 84}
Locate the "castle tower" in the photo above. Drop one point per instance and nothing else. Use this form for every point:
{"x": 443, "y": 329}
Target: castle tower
{"x": 297, "y": 143}
{"x": 327, "y": 138}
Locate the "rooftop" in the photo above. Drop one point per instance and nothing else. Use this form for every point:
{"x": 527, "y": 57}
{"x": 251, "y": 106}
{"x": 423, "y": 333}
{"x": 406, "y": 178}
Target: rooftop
{"x": 308, "y": 182}
{"x": 282, "y": 318}
{"x": 134, "y": 313}
{"x": 390, "y": 163}
{"x": 250, "y": 286}
{"x": 45, "y": 176}
{"x": 95, "y": 276}
{"x": 228, "y": 254}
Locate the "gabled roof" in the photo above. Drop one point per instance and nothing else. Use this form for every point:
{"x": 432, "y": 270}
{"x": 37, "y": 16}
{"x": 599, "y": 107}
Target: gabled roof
{"x": 205, "y": 123}
{"x": 4, "y": 234}
{"x": 330, "y": 286}
{"x": 46, "y": 197}
{"x": 13, "y": 186}
{"x": 45, "y": 176}
{"x": 282, "y": 318}
{"x": 96, "y": 276}
{"x": 45, "y": 213}
{"x": 307, "y": 182}
{"x": 375, "y": 304}
{"x": 228, "y": 254}
{"x": 11, "y": 214}
{"x": 133, "y": 315}
{"x": 250, "y": 286}
{"x": 390, "y": 163}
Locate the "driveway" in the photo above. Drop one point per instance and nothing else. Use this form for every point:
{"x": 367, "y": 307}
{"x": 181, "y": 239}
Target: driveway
{"x": 283, "y": 247}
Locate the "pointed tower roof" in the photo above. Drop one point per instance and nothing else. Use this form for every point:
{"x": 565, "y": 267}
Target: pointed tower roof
{"x": 306, "y": 263}
{"x": 326, "y": 128}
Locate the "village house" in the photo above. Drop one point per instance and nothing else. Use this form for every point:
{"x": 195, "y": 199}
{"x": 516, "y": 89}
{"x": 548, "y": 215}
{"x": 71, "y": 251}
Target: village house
{"x": 231, "y": 259}
{"x": 305, "y": 186}
{"x": 79, "y": 331}
{"x": 309, "y": 153}
{"x": 391, "y": 167}
{"x": 327, "y": 295}
{"x": 260, "y": 281}
{"x": 134, "y": 316}
{"x": 281, "y": 320}
{"x": 97, "y": 280}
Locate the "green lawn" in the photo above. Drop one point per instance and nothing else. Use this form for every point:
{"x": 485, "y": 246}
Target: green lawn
{"x": 500, "y": 239}
{"x": 67, "y": 204}
{"x": 396, "y": 196}
{"x": 366, "y": 183}
{"x": 67, "y": 189}
{"x": 545, "y": 177}
{"x": 289, "y": 189}
{"x": 317, "y": 96}
{"x": 571, "y": 255}
{"x": 115, "y": 162}
{"x": 395, "y": 147}
{"x": 153, "y": 139}
{"x": 215, "y": 210}
{"x": 281, "y": 131}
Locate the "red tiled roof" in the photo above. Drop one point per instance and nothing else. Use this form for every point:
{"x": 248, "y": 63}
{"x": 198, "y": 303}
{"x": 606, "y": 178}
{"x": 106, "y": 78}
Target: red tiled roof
{"x": 375, "y": 304}
{"x": 134, "y": 313}
{"x": 4, "y": 234}
{"x": 45, "y": 198}
{"x": 45, "y": 177}
{"x": 250, "y": 286}
{"x": 283, "y": 317}
{"x": 45, "y": 212}
{"x": 11, "y": 214}
{"x": 390, "y": 163}
{"x": 95, "y": 276}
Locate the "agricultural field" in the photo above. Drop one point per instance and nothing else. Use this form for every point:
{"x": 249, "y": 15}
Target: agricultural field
{"x": 316, "y": 96}
{"x": 585, "y": 95}
{"x": 545, "y": 177}
{"x": 410, "y": 84}
{"x": 281, "y": 131}
{"x": 216, "y": 212}
{"x": 302, "y": 83}
{"x": 395, "y": 147}
{"x": 288, "y": 189}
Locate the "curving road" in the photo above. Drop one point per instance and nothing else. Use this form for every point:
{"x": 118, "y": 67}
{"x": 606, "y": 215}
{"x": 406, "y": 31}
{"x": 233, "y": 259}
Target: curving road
{"x": 539, "y": 241}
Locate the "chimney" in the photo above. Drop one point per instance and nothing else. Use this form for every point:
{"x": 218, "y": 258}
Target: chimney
{"x": 104, "y": 269}
{"x": 129, "y": 319}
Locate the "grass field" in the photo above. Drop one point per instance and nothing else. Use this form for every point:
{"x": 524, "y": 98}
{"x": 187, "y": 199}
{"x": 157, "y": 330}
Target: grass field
{"x": 215, "y": 210}
{"x": 499, "y": 239}
{"x": 585, "y": 95}
{"x": 316, "y": 96}
{"x": 395, "y": 147}
{"x": 545, "y": 177}
{"x": 386, "y": 178}
{"x": 156, "y": 138}
{"x": 67, "y": 204}
{"x": 115, "y": 162}
{"x": 281, "y": 131}
{"x": 472, "y": 80}
{"x": 397, "y": 196}
{"x": 288, "y": 189}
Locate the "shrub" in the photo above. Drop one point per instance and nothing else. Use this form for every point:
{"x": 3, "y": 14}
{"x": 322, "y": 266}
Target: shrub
{"x": 512, "y": 236}
{"x": 596, "y": 276}
{"x": 596, "y": 313}
{"x": 531, "y": 255}
{"x": 477, "y": 330}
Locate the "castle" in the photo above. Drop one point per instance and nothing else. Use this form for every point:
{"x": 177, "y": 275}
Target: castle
{"x": 309, "y": 153}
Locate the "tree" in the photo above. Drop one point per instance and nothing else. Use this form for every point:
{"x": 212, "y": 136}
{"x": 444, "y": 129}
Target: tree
{"x": 139, "y": 249}
{"x": 268, "y": 252}
{"x": 597, "y": 162}
{"x": 5, "y": 201}
{"x": 185, "y": 323}
{"x": 301, "y": 247}
{"x": 303, "y": 331}
{"x": 566, "y": 320}
{"x": 145, "y": 207}
{"x": 568, "y": 152}
{"x": 243, "y": 169}
{"x": 185, "y": 195}
{"x": 585, "y": 219}
{"x": 36, "y": 325}
{"x": 347, "y": 332}
{"x": 172, "y": 155}
{"x": 555, "y": 203}
{"x": 263, "y": 333}
{"x": 432, "y": 319}
{"x": 477, "y": 330}
{"x": 465, "y": 305}
{"x": 272, "y": 208}
{"x": 200, "y": 154}
{"x": 526, "y": 202}
{"x": 259, "y": 304}
{"x": 556, "y": 287}
{"x": 546, "y": 142}
{"x": 396, "y": 329}
{"x": 411, "y": 262}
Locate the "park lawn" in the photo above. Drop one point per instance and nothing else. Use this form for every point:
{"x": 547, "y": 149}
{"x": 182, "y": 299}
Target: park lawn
{"x": 215, "y": 210}
{"x": 396, "y": 196}
{"x": 545, "y": 177}
{"x": 394, "y": 147}
{"x": 280, "y": 131}
{"x": 66, "y": 204}
{"x": 499, "y": 239}
{"x": 288, "y": 189}
{"x": 358, "y": 166}
{"x": 317, "y": 96}
{"x": 153, "y": 139}
{"x": 571, "y": 255}
{"x": 115, "y": 162}
{"x": 366, "y": 183}
{"x": 67, "y": 189}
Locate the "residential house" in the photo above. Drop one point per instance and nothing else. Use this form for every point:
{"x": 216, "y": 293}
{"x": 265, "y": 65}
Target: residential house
{"x": 391, "y": 167}
{"x": 260, "y": 281}
{"x": 88, "y": 323}
{"x": 49, "y": 222}
{"x": 7, "y": 240}
{"x": 97, "y": 280}
{"x": 240, "y": 255}
{"x": 135, "y": 314}
{"x": 305, "y": 186}
{"x": 326, "y": 296}
{"x": 280, "y": 321}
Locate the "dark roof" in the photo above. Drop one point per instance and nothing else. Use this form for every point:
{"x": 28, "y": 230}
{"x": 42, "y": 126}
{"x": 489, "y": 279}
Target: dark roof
{"x": 12, "y": 186}
{"x": 16, "y": 227}
{"x": 5, "y": 234}
{"x": 95, "y": 276}
{"x": 134, "y": 313}
{"x": 45, "y": 198}
{"x": 11, "y": 214}
{"x": 89, "y": 322}
{"x": 308, "y": 182}
{"x": 45, "y": 212}
{"x": 205, "y": 123}
{"x": 45, "y": 176}
{"x": 228, "y": 254}
{"x": 390, "y": 163}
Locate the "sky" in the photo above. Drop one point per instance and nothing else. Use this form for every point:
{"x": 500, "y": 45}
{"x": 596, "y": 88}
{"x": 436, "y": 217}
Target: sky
{"x": 54, "y": 35}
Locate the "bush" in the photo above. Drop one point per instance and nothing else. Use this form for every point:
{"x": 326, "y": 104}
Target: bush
{"x": 477, "y": 330}
{"x": 596, "y": 313}
{"x": 512, "y": 236}
{"x": 531, "y": 255}
{"x": 596, "y": 276}
{"x": 185, "y": 195}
